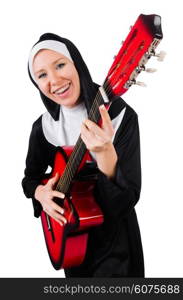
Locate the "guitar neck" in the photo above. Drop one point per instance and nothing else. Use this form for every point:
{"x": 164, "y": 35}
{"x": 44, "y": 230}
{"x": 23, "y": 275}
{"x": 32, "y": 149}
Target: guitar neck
{"x": 80, "y": 148}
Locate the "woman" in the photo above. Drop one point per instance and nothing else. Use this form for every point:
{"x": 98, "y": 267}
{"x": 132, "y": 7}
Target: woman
{"x": 57, "y": 69}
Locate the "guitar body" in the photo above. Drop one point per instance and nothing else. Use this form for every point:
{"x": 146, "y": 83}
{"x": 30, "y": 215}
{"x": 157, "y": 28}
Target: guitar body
{"x": 66, "y": 244}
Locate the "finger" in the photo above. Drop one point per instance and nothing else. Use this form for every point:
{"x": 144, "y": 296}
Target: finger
{"x": 59, "y": 218}
{"x": 87, "y": 142}
{"x": 94, "y": 128}
{"x": 92, "y": 140}
{"x": 57, "y": 208}
{"x": 53, "y": 180}
{"x": 104, "y": 113}
{"x": 106, "y": 120}
{"x": 52, "y": 206}
{"x": 94, "y": 145}
{"x": 55, "y": 215}
{"x": 87, "y": 133}
{"x": 58, "y": 194}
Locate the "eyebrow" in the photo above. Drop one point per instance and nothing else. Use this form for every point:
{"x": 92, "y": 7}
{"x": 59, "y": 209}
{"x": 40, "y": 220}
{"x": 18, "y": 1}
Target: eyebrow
{"x": 54, "y": 62}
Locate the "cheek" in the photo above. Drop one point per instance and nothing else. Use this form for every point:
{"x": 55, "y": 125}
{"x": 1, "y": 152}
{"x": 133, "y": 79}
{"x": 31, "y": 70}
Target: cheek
{"x": 44, "y": 87}
{"x": 72, "y": 74}
{"x": 77, "y": 82}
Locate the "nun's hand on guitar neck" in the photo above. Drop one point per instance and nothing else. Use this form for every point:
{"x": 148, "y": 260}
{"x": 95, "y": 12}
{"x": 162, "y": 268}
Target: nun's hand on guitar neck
{"x": 99, "y": 140}
{"x": 45, "y": 194}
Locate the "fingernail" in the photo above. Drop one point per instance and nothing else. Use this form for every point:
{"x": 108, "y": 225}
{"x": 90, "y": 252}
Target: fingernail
{"x": 102, "y": 106}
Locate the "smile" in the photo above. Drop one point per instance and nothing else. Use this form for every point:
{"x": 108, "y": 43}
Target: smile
{"x": 62, "y": 89}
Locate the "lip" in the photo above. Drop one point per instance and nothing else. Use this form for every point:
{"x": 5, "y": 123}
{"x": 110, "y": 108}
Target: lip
{"x": 61, "y": 87}
{"x": 65, "y": 94}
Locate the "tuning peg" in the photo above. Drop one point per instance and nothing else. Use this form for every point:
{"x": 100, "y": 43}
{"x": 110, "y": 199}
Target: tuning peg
{"x": 161, "y": 55}
{"x": 143, "y": 68}
{"x": 140, "y": 83}
{"x": 140, "y": 68}
{"x": 131, "y": 82}
{"x": 122, "y": 42}
{"x": 150, "y": 70}
{"x": 114, "y": 56}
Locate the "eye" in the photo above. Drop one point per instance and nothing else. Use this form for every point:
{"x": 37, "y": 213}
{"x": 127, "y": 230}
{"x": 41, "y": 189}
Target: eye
{"x": 61, "y": 65}
{"x": 42, "y": 75}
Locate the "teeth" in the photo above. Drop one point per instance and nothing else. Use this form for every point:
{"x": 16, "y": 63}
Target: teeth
{"x": 62, "y": 90}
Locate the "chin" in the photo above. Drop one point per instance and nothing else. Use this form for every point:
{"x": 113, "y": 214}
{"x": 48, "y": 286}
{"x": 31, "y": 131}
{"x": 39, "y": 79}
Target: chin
{"x": 66, "y": 103}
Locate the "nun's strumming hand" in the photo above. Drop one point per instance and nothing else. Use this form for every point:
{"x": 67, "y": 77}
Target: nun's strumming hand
{"x": 45, "y": 194}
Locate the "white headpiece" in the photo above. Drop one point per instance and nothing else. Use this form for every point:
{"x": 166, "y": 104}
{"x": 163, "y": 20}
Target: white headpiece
{"x": 47, "y": 44}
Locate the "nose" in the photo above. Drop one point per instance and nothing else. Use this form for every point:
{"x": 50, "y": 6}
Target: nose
{"x": 54, "y": 78}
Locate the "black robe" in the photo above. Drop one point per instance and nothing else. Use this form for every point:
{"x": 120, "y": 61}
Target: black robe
{"x": 114, "y": 248}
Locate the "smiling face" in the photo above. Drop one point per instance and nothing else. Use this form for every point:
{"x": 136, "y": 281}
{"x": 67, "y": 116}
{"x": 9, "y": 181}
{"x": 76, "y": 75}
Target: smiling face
{"x": 57, "y": 77}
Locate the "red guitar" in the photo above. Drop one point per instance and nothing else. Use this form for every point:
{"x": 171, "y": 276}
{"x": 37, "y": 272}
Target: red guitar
{"x": 67, "y": 244}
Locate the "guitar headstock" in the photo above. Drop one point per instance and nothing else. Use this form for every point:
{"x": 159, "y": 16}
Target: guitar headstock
{"x": 136, "y": 50}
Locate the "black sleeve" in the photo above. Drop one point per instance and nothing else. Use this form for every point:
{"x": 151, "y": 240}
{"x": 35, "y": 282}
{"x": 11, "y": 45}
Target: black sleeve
{"x": 36, "y": 166}
{"x": 119, "y": 196}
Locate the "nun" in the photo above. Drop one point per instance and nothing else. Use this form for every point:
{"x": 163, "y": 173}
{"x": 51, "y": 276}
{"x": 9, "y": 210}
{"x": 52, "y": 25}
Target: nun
{"x": 58, "y": 71}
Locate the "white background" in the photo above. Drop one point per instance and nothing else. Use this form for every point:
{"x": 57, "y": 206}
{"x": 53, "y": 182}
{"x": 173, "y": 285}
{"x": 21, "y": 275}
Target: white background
{"x": 97, "y": 28}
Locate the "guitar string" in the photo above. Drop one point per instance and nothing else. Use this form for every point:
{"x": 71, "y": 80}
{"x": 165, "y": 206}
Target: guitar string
{"x": 80, "y": 142}
{"x": 67, "y": 177}
{"x": 92, "y": 115}
{"x": 68, "y": 173}
{"x": 77, "y": 150}
{"x": 64, "y": 180}
{"x": 108, "y": 90}
{"x": 92, "y": 111}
